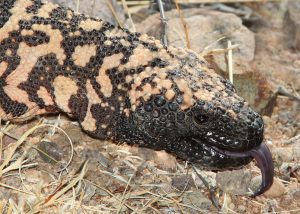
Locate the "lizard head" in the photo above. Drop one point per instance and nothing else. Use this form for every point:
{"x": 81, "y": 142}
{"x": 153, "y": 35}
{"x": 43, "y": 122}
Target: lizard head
{"x": 198, "y": 116}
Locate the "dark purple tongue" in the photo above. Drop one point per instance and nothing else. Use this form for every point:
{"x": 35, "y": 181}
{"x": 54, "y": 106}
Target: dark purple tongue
{"x": 263, "y": 157}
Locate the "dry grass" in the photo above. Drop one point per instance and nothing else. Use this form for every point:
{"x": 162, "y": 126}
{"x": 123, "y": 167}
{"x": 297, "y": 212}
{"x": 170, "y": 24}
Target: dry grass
{"x": 68, "y": 189}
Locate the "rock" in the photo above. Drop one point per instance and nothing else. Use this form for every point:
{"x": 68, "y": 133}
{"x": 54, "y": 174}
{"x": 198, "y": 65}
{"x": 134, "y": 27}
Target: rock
{"x": 197, "y": 199}
{"x": 214, "y": 25}
{"x": 290, "y": 169}
{"x": 235, "y": 182}
{"x": 95, "y": 156}
{"x": 145, "y": 153}
{"x": 210, "y": 178}
{"x": 293, "y": 20}
{"x": 271, "y": 204}
{"x": 75, "y": 133}
{"x": 50, "y": 152}
{"x": 276, "y": 190}
{"x": 284, "y": 154}
{"x": 231, "y": 206}
{"x": 183, "y": 183}
{"x": 296, "y": 194}
{"x": 255, "y": 183}
{"x": 285, "y": 117}
{"x": 296, "y": 151}
{"x": 254, "y": 88}
{"x": 89, "y": 192}
{"x": 99, "y": 9}
{"x": 165, "y": 160}
{"x": 286, "y": 200}
{"x": 241, "y": 209}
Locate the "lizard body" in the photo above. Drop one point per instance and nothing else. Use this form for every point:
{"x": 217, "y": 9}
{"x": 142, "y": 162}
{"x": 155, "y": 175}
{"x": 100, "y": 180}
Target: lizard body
{"x": 122, "y": 86}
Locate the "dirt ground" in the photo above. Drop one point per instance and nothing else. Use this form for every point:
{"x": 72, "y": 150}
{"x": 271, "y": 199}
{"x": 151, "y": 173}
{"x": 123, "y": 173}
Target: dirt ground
{"x": 49, "y": 165}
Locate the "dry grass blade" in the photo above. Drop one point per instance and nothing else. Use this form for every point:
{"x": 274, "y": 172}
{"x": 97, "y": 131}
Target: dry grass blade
{"x": 11, "y": 150}
{"x": 187, "y": 37}
{"x": 171, "y": 200}
{"x": 163, "y": 21}
{"x": 15, "y": 189}
{"x": 230, "y": 62}
{"x": 124, "y": 194}
{"x": 114, "y": 13}
{"x": 118, "y": 177}
{"x": 18, "y": 163}
{"x": 68, "y": 187}
{"x": 3, "y": 130}
{"x": 124, "y": 3}
{"x": 111, "y": 194}
{"x": 219, "y": 51}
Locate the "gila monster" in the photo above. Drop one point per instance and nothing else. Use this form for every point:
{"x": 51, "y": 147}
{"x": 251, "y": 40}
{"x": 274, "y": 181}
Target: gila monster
{"x": 124, "y": 86}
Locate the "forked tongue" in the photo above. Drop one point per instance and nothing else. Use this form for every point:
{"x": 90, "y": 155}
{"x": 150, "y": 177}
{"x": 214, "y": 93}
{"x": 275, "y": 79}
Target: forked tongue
{"x": 263, "y": 157}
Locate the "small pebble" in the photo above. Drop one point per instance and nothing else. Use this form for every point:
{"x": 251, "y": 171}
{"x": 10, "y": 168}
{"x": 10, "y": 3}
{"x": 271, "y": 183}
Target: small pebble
{"x": 296, "y": 194}
{"x": 283, "y": 154}
{"x": 197, "y": 199}
{"x": 50, "y": 152}
{"x": 235, "y": 181}
{"x": 286, "y": 200}
{"x": 183, "y": 183}
{"x": 241, "y": 208}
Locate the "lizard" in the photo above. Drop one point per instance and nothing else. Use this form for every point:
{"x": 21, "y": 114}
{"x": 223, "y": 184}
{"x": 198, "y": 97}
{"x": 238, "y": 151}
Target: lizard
{"x": 124, "y": 86}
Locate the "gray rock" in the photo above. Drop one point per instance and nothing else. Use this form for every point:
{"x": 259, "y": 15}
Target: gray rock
{"x": 95, "y": 8}
{"x": 286, "y": 200}
{"x": 286, "y": 169}
{"x": 255, "y": 183}
{"x": 50, "y": 152}
{"x": 293, "y": 21}
{"x": 183, "y": 183}
{"x": 296, "y": 151}
{"x": 210, "y": 178}
{"x": 95, "y": 156}
{"x": 241, "y": 209}
{"x": 235, "y": 182}
{"x": 197, "y": 199}
{"x": 205, "y": 28}
{"x": 296, "y": 194}
{"x": 282, "y": 154}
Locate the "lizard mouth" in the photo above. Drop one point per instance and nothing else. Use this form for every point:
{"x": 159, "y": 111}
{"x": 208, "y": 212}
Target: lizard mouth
{"x": 262, "y": 156}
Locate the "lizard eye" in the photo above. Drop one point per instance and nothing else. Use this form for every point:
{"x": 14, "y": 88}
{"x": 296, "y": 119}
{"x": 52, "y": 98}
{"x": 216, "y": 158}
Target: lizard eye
{"x": 200, "y": 119}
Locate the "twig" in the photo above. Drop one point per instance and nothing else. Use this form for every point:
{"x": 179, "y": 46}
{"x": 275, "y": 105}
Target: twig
{"x": 15, "y": 189}
{"x": 187, "y": 38}
{"x": 230, "y": 62}
{"x": 211, "y": 191}
{"x": 124, "y": 3}
{"x": 283, "y": 91}
{"x": 163, "y": 21}
{"x": 114, "y": 13}
{"x": 292, "y": 140}
{"x": 111, "y": 194}
{"x": 124, "y": 193}
{"x": 77, "y": 6}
